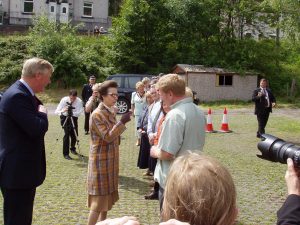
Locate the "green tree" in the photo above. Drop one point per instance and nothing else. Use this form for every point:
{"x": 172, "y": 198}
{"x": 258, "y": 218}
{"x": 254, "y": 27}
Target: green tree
{"x": 73, "y": 60}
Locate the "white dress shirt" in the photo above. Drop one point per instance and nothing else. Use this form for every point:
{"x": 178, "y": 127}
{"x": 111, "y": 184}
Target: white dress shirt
{"x": 77, "y": 104}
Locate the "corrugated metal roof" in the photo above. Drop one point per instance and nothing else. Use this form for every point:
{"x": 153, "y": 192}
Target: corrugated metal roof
{"x": 202, "y": 69}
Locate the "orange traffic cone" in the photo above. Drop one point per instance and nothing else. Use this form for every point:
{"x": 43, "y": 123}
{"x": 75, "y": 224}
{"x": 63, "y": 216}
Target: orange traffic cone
{"x": 224, "y": 126}
{"x": 209, "y": 126}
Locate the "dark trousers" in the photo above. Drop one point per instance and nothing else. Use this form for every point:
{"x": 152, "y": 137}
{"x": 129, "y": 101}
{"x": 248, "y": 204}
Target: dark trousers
{"x": 17, "y": 206}
{"x": 152, "y": 163}
{"x": 69, "y": 133}
{"x": 262, "y": 119}
{"x": 161, "y": 197}
{"x": 86, "y": 121}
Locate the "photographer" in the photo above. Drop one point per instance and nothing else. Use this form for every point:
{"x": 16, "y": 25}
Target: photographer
{"x": 289, "y": 213}
{"x": 69, "y": 109}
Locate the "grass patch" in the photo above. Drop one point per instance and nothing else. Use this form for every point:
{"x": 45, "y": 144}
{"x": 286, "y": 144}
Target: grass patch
{"x": 54, "y": 95}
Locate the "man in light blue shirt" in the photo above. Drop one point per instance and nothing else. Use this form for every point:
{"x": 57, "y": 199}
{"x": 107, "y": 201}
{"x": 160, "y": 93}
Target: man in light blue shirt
{"x": 183, "y": 129}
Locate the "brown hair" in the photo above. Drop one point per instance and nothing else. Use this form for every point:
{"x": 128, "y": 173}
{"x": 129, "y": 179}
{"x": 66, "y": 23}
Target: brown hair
{"x": 200, "y": 191}
{"x": 105, "y": 86}
{"x": 72, "y": 92}
{"x": 172, "y": 82}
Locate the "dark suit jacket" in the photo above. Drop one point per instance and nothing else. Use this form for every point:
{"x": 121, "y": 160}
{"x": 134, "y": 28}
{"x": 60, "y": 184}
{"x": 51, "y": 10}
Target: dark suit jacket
{"x": 86, "y": 93}
{"x": 22, "y": 131}
{"x": 260, "y": 102}
{"x": 289, "y": 213}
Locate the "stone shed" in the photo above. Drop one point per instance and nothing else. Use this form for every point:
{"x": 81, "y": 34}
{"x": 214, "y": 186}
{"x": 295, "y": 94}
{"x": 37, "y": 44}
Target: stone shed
{"x": 213, "y": 84}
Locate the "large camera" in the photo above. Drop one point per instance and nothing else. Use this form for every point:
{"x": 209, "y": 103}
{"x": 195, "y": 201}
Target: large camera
{"x": 277, "y": 150}
{"x": 70, "y": 109}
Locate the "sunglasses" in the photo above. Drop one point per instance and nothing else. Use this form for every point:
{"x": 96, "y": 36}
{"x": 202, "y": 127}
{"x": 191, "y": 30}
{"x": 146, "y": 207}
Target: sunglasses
{"x": 113, "y": 95}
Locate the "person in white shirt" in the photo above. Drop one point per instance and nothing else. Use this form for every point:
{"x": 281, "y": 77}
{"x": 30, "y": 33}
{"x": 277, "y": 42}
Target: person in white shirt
{"x": 69, "y": 109}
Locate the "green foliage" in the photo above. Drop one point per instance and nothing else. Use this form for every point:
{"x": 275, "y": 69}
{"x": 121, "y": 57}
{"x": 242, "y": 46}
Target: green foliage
{"x": 12, "y": 55}
{"x": 58, "y": 44}
{"x": 72, "y": 58}
{"x": 153, "y": 36}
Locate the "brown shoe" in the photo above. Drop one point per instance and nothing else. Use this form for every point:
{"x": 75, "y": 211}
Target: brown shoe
{"x": 152, "y": 196}
{"x": 148, "y": 173}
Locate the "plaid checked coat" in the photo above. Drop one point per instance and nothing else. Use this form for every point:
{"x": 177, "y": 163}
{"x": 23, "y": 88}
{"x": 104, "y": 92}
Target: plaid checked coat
{"x": 103, "y": 167}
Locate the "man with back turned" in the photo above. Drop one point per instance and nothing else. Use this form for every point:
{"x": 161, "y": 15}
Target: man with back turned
{"x": 23, "y": 124}
{"x": 264, "y": 101}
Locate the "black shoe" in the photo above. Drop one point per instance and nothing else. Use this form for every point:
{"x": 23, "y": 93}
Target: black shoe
{"x": 86, "y": 133}
{"x": 67, "y": 157}
{"x": 152, "y": 196}
{"x": 74, "y": 152}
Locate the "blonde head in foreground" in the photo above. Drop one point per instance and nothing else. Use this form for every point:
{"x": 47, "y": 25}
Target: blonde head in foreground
{"x": 200, "y": 191}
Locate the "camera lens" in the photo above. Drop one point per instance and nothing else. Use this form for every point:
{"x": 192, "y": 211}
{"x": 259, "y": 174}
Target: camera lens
{"x": 277, "y": 150}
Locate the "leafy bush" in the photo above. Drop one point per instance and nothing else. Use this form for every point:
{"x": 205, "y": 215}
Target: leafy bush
{"x": 12, "y": 55}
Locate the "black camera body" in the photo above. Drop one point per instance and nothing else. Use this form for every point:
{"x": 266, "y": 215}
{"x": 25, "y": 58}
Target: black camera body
{"x": 277, "y": 150}
{"x": 70, "y": 109}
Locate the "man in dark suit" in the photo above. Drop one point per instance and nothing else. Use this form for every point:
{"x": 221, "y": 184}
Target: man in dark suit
{"x": 86, "y": 94}
{"x": 264, "y": 101}
{"x": 23, "y": 124}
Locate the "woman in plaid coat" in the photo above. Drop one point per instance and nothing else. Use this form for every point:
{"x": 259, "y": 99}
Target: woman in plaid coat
{"x": 103, "y": 168}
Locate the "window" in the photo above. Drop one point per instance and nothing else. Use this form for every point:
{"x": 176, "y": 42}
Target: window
{"x": 87, "y": 9}
{"x": 224, "y": 80}
{"x": 118, "y": 80}
{"x": 131, "y": 81}
{"x": 64, "y": 10}
{"x": 52, "y": 9}
{"x": 28, "y": 6}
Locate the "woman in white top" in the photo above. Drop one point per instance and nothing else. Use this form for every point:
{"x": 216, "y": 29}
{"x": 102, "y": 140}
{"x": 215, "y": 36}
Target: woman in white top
{"x": 138, "y": 102}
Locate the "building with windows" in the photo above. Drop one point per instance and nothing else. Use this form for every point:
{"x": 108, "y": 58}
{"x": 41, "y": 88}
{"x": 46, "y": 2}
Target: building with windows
{"x": 213, "y": 84}
{"x": 89, "y": 12}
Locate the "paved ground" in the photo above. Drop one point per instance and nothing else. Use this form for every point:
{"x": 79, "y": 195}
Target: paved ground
{"x": 61, "y": 200}
{"x": 292, "y": 113}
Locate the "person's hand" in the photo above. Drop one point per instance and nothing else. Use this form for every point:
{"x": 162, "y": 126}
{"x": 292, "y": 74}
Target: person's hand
{"x": 43, "y": 109}
{"x": 125, "y": 220}
{"x": 153, "y": 152}
{"x": 125, "y": 117}
{"x": 273, "y": 104}
{"x": 151, "y": 138}
{"x": 65, "y": 109}
{"x": 292, "y": 178}
{"x": 259, "y": 94}
{"x": 130, "y": 110}
{"x": 173, "y": 222}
